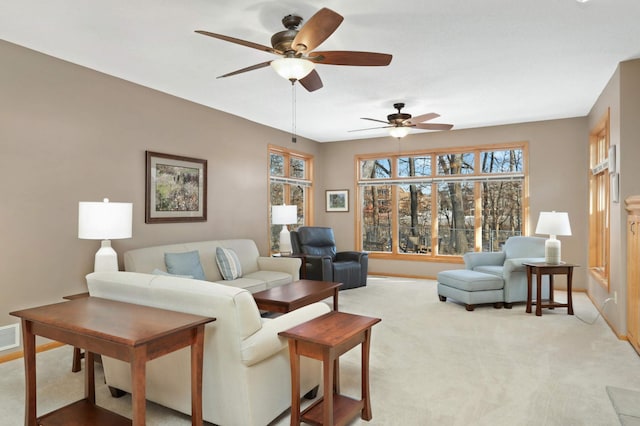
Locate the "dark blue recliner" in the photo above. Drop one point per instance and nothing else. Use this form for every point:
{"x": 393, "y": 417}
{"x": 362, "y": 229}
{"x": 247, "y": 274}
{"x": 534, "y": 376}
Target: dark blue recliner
{"x": 316, "y": 246}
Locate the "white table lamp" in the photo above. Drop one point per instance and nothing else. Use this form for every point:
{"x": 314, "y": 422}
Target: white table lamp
{"x": 552, "y": 224}
{"x": 284, "y": 215}
{"x": 104, "y": 221}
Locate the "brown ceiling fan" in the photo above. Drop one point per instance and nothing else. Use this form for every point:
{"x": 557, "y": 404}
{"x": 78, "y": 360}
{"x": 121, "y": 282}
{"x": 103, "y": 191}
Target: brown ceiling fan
{"x": 295, "y": 46}
{"x": 401, "y": 122}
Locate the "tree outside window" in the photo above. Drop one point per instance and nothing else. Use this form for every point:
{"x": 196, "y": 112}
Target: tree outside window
{"x": 442, "y": 204}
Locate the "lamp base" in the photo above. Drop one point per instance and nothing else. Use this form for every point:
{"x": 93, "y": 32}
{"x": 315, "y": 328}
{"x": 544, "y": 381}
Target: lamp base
{"x": 552, "y": 250}
{"x": 106, "y": 258}
{"x": 285, "y": 241}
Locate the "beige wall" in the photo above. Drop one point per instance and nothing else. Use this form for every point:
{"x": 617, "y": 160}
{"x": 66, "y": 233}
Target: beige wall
{"x": 557, "y": 156}
{"x": 70, "y": 134}
{"x": 622, "y": 97}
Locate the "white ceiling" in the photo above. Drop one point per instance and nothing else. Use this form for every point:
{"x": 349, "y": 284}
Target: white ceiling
{"x": 476, "y": 63}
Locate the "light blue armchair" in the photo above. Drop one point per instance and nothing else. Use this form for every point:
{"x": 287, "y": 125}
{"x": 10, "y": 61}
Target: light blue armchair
{"x": 507, "y": 265}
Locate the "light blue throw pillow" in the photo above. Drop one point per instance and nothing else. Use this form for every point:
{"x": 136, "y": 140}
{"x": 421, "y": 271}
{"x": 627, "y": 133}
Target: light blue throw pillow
{"x": 187, "y": 263}
{"x": 228, "y": 263}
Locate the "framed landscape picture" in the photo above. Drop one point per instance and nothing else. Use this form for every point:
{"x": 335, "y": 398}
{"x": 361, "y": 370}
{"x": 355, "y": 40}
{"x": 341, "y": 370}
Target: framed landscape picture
{"x": 176, "y": 189}
{"x": 337, "y": 200}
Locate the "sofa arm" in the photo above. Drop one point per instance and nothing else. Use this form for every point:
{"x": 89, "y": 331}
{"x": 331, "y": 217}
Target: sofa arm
{"x": 290, "y": 265}
{"x": 350, "y": 255}
{"x": 318, "y": 267}
{"x": 266, "y": 342}
{"x": 473, "y": 259}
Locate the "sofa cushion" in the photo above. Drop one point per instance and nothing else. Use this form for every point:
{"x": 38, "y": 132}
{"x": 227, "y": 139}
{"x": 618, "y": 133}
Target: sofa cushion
{"x": 272, "y": 278}
{"x": 251, "y": 284}
{"x": 228, "y": 263}
{"x": 187, "y": 263}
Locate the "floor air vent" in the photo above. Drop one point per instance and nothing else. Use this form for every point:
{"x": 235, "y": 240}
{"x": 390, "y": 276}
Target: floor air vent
{"x": 9, "y": 336}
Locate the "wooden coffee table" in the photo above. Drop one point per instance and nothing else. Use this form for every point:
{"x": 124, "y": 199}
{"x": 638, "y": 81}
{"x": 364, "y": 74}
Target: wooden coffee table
{"x": 325, "y": 338}
{"x": 124, "y": 331}
{"x": 288, "y": 297}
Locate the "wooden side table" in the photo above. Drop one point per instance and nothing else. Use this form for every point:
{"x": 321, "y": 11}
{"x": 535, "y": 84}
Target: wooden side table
{"x": 325, "y": 338}
{"x": 540, "y": 269}
{"x": 124, "y": 331}
{"x": 78, "y": 355}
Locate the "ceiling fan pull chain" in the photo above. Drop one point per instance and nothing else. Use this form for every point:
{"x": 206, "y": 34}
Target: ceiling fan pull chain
{"x": 293, "y": 112}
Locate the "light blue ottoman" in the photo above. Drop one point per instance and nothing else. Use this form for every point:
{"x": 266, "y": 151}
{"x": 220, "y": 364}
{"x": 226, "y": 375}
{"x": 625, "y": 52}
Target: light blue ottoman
{"x": 471, "y": 288}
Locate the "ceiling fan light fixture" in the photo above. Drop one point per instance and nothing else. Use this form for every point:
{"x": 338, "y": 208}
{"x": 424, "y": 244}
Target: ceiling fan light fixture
{"x": 292, "y": 68}
{"x": 399, "y": 132}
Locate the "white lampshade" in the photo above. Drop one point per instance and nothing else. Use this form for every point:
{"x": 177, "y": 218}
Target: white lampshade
{"x": 552, "y": 224}
{"x": 104, "y": 221}
{"x": 292, "y": 68}
{"x": 399, "y": 131}
{"x": 284, "y": 215}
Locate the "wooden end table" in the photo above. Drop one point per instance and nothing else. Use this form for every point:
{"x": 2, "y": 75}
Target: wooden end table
{"x": 124, "y": 331}
{"x": 78, "y": 355}
{"x": 540, "y": 269}
{"x": 288, "y": 297}
{"x": 325, "y": 338}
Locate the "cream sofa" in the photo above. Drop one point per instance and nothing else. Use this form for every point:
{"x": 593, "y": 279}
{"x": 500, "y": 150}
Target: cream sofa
{"x": 258, "y": 272}
{"x": 246, "y": 372}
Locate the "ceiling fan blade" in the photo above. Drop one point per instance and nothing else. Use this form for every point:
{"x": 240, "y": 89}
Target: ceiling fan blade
{"x": 421, "y": 118}
{"x": 316, "y": 30}
{"x": 433, "y": 126}
{"x": 241, "y": 42}
{"x": 251, "y": 68}
{"x": 345, "y": 57}
{"x": 371, "y": 128}
{"x": 312, "y": 81}
{"x": 374, "y": 119}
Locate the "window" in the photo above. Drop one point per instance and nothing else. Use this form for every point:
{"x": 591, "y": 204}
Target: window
{"x": 289, "y": 183}
{"x": 435, "y": 204}
{"x": 599, "y": 202}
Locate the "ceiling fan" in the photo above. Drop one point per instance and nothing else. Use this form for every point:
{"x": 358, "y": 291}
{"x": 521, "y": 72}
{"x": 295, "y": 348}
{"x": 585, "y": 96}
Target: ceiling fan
{"x": 295, "y": 46}
{"x": 400, "y": 122}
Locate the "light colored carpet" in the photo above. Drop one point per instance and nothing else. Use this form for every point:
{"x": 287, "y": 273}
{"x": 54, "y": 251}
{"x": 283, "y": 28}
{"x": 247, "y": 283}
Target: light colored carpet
{"x": 627, "y": 404}
{"x": 432, "y": 363}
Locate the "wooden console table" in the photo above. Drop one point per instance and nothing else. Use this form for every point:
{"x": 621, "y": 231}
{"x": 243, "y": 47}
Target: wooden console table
{"x": 540, "y": 269}
{"x": 325, "y": 338}
{"x": 124, "y": 331}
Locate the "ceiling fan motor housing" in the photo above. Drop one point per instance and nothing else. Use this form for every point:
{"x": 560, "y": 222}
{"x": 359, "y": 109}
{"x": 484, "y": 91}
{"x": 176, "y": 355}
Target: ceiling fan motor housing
{"x": 398, "y": 118}
{"x": 282, "y": 40}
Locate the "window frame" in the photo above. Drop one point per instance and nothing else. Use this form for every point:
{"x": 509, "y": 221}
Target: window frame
{"x": 287, "y": 181}
{"x": 599, "y": 195}
{"x": 477, "y": 177}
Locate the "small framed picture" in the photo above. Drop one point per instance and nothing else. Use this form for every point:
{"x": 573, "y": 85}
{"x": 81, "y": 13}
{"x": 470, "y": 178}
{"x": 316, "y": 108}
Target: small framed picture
{"x": 337, "y": 200}
{"x": 176, "y": 189}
